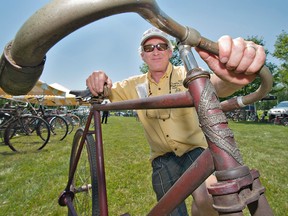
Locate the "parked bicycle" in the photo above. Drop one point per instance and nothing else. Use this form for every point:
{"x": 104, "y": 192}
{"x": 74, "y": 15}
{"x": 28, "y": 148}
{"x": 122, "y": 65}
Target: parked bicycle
{"x": 23, "y": 132}
{"x": 58, "y": 124}
{"x": 72, "y": 120}
{"x": 279, "y": 120}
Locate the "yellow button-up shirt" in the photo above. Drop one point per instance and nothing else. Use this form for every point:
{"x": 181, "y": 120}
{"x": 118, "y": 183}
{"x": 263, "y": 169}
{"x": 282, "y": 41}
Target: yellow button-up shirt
{"x": 167, "y": 130}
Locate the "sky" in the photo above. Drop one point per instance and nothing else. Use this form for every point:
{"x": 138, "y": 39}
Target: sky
{"x": 111, "y": 44}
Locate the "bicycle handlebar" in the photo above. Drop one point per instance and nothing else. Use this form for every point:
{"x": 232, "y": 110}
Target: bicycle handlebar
{"x": 24, "y": 57}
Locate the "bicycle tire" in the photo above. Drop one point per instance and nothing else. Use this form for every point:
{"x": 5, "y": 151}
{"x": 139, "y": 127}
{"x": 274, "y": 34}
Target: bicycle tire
{"x": 70, "y": 123}
{"x": 85, "y": 183}
{"x": 272, "y": 121}
{"x": 58, "y": 126}
{"x": 284, "y": 121}
{"x": 27, "y": 133}
{"x": 73, "y": 121}
{"x": 83, "y": 120}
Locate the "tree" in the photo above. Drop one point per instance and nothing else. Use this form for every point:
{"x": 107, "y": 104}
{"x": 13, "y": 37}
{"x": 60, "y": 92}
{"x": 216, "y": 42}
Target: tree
{"x": 281, "y": 53}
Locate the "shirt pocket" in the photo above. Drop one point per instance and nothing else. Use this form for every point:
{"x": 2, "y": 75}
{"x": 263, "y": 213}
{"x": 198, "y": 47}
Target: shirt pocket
{"x": 158, "y": 114}
{"x": 178, "y": 112}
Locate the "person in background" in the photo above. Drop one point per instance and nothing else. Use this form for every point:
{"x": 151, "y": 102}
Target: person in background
{"x": 105, "y": 115}
{"x": 174, "y": 135}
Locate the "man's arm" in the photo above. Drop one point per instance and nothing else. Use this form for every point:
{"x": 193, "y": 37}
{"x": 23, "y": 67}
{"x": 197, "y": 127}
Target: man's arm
{"x": 224, "y": 88}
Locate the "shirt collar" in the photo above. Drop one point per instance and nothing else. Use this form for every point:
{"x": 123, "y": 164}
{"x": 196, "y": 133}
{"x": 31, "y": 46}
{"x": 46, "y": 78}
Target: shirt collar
{"x": 165, "y": 76}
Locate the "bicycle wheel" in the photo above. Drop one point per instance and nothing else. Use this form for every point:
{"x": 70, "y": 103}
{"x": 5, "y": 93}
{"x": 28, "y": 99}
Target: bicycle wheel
{"x": 75, "y": 119}
{"x": 85, "y": 183}
{"x": 272, "y": 121}
{"x": 70, "y": 124}
{"x": 27, "y": 133}
{"x": 59, "y": 127}
{"x": 83, "y": 120}
{"x": 4, "y": 119}
{"x": 284, "y": 121}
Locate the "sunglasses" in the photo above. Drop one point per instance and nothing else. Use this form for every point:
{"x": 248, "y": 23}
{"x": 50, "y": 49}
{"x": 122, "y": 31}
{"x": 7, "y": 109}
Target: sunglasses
{"x": 151, "y": 47}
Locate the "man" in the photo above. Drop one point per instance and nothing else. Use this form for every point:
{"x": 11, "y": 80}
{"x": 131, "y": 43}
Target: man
{"x": 174, "y": 135}
{"x": 105, "y": 115}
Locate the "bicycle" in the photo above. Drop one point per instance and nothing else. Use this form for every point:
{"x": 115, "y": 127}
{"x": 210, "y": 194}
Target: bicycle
{"x": 58, "y": 124}
{"x": 23, "y": 132}
{"x": 279, "y": 120}
{"x": 237, "y": 186}
{"x": 72, "y": 120}
{"x": 86, "y": 188}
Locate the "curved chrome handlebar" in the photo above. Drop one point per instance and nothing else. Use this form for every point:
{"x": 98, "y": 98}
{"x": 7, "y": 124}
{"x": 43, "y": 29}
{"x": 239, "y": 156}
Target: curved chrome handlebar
{"x": 23, "y": 59}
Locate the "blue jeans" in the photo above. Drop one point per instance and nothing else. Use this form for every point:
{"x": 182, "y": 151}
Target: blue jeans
{"x": 167, "y": 169}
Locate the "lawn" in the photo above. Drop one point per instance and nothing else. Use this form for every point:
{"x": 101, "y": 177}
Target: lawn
{"x": 30, "y": 183}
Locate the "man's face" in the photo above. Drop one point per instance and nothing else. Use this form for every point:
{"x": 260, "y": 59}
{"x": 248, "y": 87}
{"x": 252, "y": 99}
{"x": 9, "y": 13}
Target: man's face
{"x": 156, "y": 60}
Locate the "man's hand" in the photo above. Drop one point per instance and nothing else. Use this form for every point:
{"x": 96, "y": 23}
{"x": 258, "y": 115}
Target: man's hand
{"x": 96, "y": 81}
{"x": 238, "y": 60}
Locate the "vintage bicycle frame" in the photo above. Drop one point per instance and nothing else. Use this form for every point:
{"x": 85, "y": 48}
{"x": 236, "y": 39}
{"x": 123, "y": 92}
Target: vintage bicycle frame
{"x": 238, "y": 186}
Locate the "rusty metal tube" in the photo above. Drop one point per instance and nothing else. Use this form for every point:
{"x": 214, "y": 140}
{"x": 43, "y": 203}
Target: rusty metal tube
{"x": 23, "y": 59}
{"x": 58, "y": 19}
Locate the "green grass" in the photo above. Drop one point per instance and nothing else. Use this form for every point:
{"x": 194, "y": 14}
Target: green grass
{"x": 30, "y": 183}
